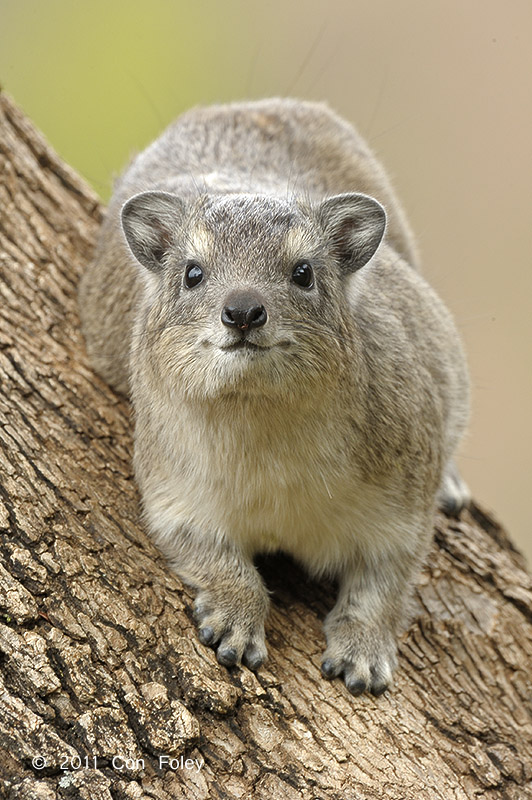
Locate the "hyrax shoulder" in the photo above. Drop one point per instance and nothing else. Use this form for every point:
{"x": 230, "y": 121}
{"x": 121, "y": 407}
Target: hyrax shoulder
{"x": 297, "y": 384}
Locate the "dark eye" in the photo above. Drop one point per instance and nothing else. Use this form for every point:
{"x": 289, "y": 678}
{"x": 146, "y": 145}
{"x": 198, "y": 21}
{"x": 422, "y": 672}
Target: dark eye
{"x": 303, "y": 275}
{"x": 193, "y": 275}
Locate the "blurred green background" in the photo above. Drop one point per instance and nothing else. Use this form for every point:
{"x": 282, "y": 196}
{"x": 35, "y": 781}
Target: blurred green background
{"x": 440, "y": 88}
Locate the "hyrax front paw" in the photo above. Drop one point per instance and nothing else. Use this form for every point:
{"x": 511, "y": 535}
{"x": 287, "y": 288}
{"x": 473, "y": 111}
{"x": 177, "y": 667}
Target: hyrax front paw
{"x": 364, "y": 655}
{"x": 232, "y": 622}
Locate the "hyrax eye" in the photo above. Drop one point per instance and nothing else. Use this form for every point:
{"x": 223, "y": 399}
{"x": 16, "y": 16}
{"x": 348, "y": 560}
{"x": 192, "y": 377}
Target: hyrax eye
{"x": 193, "y": 275}
{"x": 303, "y": 275}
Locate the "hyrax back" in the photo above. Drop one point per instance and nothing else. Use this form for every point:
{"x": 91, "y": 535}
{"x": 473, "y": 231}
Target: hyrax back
{"x": 297, "y": 385}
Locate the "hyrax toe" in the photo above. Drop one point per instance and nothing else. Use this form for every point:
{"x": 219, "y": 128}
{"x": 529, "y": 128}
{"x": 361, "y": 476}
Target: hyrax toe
{"x": 242, "y": 644}
{"x": 454, "y": 494}
{"x": 254, "y": 655}
{"x": 228, "y": 656}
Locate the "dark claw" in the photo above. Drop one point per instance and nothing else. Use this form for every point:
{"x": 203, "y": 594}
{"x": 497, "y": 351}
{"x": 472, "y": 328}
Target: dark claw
{"x": 206, "y": 635}
{"x": 378, "y": 689}
{"x": 328, "y": 669}
{"x": 227, "y": 656}
{"x": 252, "y": 658}
{"x": 356, "y": 687}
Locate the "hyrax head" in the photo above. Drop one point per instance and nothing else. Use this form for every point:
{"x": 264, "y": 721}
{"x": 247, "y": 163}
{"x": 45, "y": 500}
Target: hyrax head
{"x": 247, "y": 293}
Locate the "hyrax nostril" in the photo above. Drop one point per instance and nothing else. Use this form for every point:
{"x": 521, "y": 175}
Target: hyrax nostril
{"x": 244, "y": 318}
{"x": 244, "y": 311}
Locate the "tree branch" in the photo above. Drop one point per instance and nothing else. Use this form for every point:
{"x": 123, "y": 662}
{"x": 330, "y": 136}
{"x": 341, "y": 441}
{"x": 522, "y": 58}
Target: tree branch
{"x": 99, "y": 655}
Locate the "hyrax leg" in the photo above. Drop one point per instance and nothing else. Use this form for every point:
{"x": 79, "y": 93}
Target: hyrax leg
{"x": 362, "y": 627}
{"x": 232, "y": 601}
{"x": 454, "y": 494}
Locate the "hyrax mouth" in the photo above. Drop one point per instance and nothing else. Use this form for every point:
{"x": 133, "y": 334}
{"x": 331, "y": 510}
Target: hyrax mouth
{"x": 244, "y": 344}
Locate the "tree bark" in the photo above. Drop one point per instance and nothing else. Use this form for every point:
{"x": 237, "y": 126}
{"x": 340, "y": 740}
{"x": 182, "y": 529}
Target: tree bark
{"x": 101, "y": 669}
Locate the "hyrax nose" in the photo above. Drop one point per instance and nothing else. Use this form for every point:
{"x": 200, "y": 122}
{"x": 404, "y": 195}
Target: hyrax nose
{"x": 243, "y": 310}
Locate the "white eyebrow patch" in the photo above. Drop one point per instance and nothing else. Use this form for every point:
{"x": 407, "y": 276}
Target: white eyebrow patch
{"x": 200, "y": 242}
{"x": 298, "y": 242}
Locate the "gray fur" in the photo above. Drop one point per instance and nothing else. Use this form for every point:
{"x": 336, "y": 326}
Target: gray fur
{"x": 326, "y": 432}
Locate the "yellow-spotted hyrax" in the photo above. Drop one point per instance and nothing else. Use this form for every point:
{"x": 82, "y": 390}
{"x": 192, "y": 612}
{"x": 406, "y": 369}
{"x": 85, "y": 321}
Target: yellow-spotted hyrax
{"x": 297, "y": 385}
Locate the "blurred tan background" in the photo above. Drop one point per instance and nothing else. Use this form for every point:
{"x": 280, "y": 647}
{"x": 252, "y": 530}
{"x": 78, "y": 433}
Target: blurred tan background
{"x": 442, "y": 89}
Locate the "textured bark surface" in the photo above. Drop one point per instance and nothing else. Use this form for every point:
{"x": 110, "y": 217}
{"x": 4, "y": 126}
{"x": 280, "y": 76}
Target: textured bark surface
{"x": 98, "y": 653}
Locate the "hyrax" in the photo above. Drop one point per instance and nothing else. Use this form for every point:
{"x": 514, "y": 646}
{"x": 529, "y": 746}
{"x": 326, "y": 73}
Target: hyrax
{"x": 297, "y": 385}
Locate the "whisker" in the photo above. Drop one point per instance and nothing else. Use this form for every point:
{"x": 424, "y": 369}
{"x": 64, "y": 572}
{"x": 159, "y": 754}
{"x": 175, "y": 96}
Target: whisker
{"x": 310, "y": 51}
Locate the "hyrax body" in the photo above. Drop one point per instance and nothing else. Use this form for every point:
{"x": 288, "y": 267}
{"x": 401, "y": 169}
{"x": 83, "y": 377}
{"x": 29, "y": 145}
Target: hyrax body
{"x": 297, "y": 385}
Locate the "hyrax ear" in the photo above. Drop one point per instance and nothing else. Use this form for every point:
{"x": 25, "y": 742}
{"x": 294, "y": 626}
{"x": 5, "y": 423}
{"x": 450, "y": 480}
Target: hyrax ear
{"x": 150, "y": 221}
{"x": 354, "y": 224}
